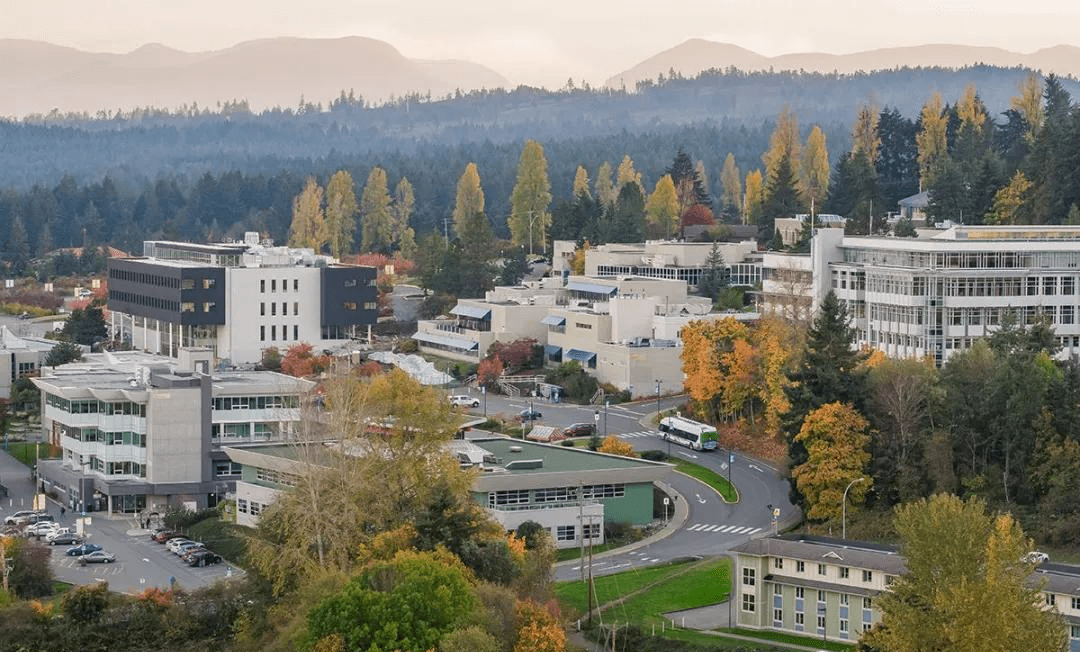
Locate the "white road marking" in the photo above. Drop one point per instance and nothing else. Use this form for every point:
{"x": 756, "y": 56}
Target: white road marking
{"x": 756, "y": 468}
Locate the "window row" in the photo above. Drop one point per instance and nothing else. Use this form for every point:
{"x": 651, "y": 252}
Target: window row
{"x": 92, "y": 406}
{"x": 249, "y": 507}
{"x": 284, "y": 333}
{"x": 255, "y": 402}
{"x": 555, "y": 494}
{"x": 274, "y": 285}
{"x": 207, "y": 306}
{"x": 223, "y": 468}
{"x": 284, "y": 308}
{"x": 276, "y": 477}
{"x": 144, "y": 278}
{"x": 144, "y": 300}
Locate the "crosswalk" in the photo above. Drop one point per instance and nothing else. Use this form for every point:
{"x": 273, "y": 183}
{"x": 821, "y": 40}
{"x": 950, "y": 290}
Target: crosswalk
{"x": 723, "y": 529}
{"x": 639, "y": 433}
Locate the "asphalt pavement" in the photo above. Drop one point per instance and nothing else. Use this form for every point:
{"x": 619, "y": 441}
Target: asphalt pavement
{"x": 140, "y": 562}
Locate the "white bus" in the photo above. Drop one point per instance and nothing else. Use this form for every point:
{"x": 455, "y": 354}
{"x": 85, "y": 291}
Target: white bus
{"x": 689, "y": 433}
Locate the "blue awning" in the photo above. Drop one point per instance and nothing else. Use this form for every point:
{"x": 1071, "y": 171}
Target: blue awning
{"x": 591, "y": 288}
{"x": 552, "y": 351}
{"x": 471, "y": 311}
{"x": 554, "y": 320}
{"x": 579, "y": 355}
{"x": 449, "y": 342}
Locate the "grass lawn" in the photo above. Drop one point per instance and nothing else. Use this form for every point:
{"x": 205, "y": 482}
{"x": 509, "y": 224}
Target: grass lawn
{"x": 666, "y": 588}
{"x": 566, "y": 554}
{"x": 709, "y": 477}
{"x": 24, "y": 452}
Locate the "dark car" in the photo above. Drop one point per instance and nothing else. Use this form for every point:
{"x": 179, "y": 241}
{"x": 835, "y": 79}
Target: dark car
{"x": 579, "y": 430}
{"x": 529, "y": 414}
{"x": 203, "y": 558}
{"x": 84, "y": 549}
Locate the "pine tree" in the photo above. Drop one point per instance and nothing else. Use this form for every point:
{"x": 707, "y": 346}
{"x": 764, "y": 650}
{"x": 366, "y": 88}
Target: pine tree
{"x": 830, "y": 371}
{"x": 341, "y": 212}
{"x": 629, "y": 215}
{"x": 376, "y": 226}
{"x": 689, "y": 186}
{"x": 529, "y": 217}
{"x": 781, "y": 197}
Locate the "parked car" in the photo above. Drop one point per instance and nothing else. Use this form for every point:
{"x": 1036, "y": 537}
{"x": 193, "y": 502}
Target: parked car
{"x": 42, "y": 517}
{"x": 82, "y": 550}
{"x": 164, "y": 535}
{"x": 203, "y": 558}
{"x": 20, "y": 518}
{"x": 97, "y": 557}
{"x": 1036, "y": 557}
{"x": 464, "y": 400}
{"x": 187, "y": 547}
{"x": 41, "y": 528}
{"x": 529, "y": 414}
{"x": 187, "y": 553}
{"x": 64, "y": 535}
{"x": 579, "y": 430}
{"x": 175, "y": 542}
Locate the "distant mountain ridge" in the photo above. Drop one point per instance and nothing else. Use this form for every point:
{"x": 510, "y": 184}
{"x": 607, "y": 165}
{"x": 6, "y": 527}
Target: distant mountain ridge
{"x": 37, "y": 77}
{"x": 696, "y": 55}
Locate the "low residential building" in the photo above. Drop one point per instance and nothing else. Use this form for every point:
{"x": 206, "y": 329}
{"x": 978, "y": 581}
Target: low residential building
{"x": 20, "y": 357}
{"x": 237, "y": 298}
{"x": 140, "y": 432}
{"x": 828, "y": 588}
{"x": 572, "y": 492}
{"x": 812, "y": 586}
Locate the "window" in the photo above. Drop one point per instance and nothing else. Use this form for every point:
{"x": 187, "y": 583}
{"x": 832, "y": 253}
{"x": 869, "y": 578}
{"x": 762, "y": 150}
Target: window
{"x": 187, "y": 284}
{"x": 262, "y": 285}
{"x": 273, "y": 333}
{"x": 800, "y": 592}
{"x": 748, "y": 578}
{"x": 778, "y": 617}
{"x": 867, "y": 576}
{"x": 273, "y": 285}
{"x": 285, "y": 308}
{"x": 262, "y": 333}
{"x": 844, "y": 598}
{"x": 1076, "y": 603}
{"x": 748, "y": 602}
{"x": 262, "y": 309}
{"x": 187, "y": 306}
{"x": 590, "y": 531}
{"x": 821, "y": 623}
{"x": 778, "y": 562}
{"x": 273, "y": 308}
{"x": 821, "y": 569}
{"x": 800, "y": 567}
{"x": 295, "y": 308}
{"x": 844, "y": 572}
{"x": 209, "y": 283}
{"x": 225, "y": 467}
{"x": 284, "y": 285}
{"x": 867, "y": 604}
{"x": 209, "y": 306}
{"x": 800, "y": 618}
{"x": 242, "y": 505}
{"x": 889, "y": 579}
{"x": 255, "y": 508}
{"x": 349, "y": 305}
{"x": 565, "y": 533}
{"x": 296, "y": 285}
{"x": 295, "y": 332}
{"x": 843, "y": 626}
{"x": 1051, "y": 599}
{"x": 508, "y": 497}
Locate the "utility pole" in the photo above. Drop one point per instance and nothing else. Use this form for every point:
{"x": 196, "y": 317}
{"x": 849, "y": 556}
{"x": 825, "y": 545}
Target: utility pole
{"x": 581, "y": 521}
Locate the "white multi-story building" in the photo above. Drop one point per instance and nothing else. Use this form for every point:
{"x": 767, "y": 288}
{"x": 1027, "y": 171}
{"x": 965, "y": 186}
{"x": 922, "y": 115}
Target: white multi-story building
{"x": 681, "y": 261}
{"x": 237, "y": 299}
{"x": 142, "y": 432}
{"x": 933, "y": 296}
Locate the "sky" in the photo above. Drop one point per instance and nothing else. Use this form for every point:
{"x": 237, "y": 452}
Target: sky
{"x": 546, "y": 42}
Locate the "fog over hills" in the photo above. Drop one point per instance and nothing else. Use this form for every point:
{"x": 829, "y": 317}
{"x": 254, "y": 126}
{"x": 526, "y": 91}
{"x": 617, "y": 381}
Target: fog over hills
{"x": 693, "y": 56}
{"x": 37, "y": 77}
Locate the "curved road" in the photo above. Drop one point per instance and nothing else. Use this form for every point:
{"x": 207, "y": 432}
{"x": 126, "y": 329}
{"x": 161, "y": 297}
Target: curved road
{"x": 712, "y": 526}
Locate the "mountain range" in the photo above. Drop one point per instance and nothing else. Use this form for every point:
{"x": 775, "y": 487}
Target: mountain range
{"x": 696, "y": 55}
{"x": 38, "y": 77}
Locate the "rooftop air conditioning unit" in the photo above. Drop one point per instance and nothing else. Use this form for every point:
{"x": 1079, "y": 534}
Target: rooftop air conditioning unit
{"x": 515, "y": 449}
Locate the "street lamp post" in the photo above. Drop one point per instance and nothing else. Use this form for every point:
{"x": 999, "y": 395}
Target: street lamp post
{"x": 843, "y": 518}
{"x": 658, "y": 415}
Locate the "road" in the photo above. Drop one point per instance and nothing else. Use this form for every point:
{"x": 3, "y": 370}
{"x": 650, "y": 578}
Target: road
{"x": 712, "y": 526}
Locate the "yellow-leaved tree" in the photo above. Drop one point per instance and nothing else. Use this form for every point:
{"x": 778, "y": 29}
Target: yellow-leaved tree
{"x": 308, "y": 228}
{"x": 754, "y": 199}
{"x": 615, "y": 446}
{"x": 836, "y": 440}
{"x": 814, "y": 174}
{"x": 581, "y": 183}
{"x": 931, "y": 141}
{"x": 662, "y": 209}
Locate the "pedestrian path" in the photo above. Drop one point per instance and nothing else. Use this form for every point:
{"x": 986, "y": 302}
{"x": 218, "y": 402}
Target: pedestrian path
{"x": 723, "y": 529}
{"x": 639, "y": 433}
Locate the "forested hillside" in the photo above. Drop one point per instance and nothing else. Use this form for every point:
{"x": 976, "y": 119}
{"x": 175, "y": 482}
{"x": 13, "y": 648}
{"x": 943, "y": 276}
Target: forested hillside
{"x": 199, "y": 174}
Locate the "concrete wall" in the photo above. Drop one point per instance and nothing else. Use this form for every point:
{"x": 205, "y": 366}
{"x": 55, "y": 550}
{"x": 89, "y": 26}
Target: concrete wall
{"x": 175, "y": 449}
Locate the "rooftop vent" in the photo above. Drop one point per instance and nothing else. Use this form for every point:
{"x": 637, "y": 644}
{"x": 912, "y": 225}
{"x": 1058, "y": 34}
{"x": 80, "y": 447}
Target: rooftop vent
{"x": 515, "y": 449}
{"x": 521, "y": 465}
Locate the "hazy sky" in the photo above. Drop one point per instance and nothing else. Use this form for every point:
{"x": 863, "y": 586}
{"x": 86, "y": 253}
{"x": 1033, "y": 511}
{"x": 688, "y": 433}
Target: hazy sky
{"x": 545, "y": 42}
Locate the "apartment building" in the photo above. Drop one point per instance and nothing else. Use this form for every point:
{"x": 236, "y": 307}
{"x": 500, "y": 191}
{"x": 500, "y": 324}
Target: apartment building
{"x": 570, "y": 491}
{"x": 828, "y": 588}
{"x": 237, "y": 299}
{"x": 142, "y": 432}
{"x": 936, "y": 295}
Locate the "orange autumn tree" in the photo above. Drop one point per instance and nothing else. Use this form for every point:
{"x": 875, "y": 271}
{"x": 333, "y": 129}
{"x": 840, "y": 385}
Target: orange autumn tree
{"x": 538, "y": 631}
{"x": 300, "y": 361}
{"x": 615, "y": 446}
{"x": 837, "y": 438}
{"x": 769, "y": 336}
{"x": 705, "y": 347}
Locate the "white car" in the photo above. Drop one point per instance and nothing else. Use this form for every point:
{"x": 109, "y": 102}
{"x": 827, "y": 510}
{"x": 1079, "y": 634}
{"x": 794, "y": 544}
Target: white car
{"x": 1036, "y": 557}
{"x": 464, "y": 400}
{"x": 19, "y": 518}
{"x": 41, "y": 528}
